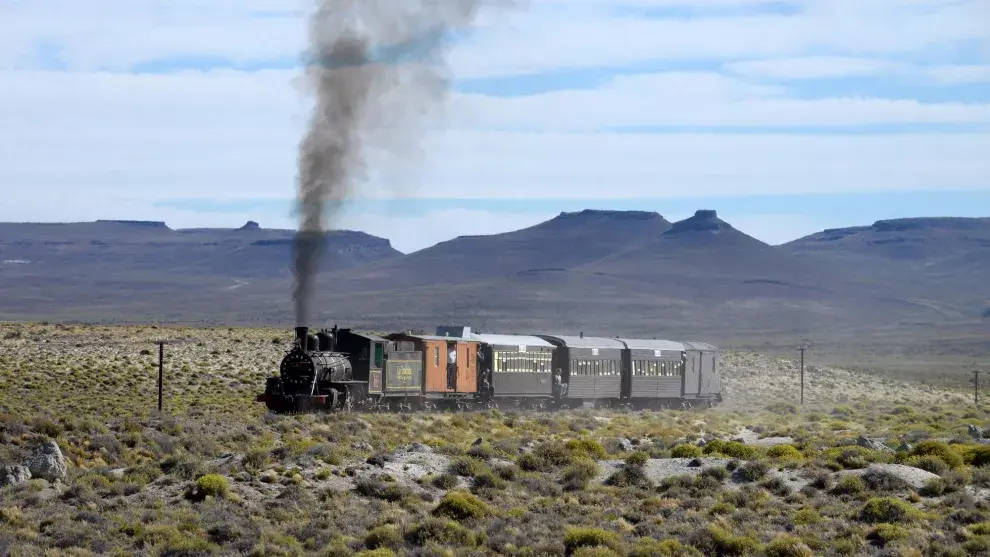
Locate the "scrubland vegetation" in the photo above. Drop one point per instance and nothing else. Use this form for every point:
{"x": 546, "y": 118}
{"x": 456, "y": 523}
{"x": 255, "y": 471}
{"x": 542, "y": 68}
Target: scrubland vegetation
{"x": 863, "y": 468}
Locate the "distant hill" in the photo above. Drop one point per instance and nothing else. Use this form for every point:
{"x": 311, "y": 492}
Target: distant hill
{"x": 607, "y": 272}
{"x": 566, "y": 241}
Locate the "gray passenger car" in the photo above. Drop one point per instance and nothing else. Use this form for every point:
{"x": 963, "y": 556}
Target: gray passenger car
{"x": 656, "y": 369}
{"x": 520, "y": 365}
{"x": 591, "y": 366}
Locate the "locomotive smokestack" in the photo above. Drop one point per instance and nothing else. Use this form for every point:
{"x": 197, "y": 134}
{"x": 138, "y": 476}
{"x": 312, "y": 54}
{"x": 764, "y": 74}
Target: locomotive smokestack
{"x": 302, "y": 335}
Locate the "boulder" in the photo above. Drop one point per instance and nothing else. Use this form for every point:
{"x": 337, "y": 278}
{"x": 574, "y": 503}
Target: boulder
{"x": 976, "y": 432}
{"x": 13, "y": 475}
{"x": 47, "y": 462}
{"x": 873, "y": 443}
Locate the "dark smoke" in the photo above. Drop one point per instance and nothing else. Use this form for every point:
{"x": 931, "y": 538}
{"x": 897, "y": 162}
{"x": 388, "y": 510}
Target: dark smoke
{"x": 376, "y": 66}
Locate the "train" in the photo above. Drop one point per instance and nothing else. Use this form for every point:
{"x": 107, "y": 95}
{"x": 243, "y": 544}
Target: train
{"x": 457, "y": 369}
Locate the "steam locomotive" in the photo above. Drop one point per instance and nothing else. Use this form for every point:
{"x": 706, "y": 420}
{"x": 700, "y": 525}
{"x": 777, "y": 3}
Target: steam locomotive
{"x": 344, "y": 369}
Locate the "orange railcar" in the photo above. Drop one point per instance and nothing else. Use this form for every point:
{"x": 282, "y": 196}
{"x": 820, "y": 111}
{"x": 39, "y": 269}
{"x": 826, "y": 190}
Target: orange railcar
{"x": 444, "y": 377}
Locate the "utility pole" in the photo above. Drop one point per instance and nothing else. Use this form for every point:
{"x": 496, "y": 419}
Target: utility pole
{"x": 976, "y": 385}
{"x": 802, "y": 348}
{"x": 161, "y": 374}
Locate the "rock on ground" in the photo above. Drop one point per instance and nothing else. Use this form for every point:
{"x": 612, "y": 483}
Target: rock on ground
{"x": 915, "y": 477}
{"x": 13, "y": 475}
{"x": 47, "y": 462}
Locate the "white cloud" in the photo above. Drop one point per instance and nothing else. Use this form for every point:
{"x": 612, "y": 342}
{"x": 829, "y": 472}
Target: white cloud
{"x": 87, "y": 144}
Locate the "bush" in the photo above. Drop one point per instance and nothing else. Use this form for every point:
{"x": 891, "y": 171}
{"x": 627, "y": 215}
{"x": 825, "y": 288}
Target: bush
{"x": 887, "y": 533}
{"x": 213, "y": 485}
{"x": 685, "y": 450}
{"x": 879, "y": 480}
{"x": 577, "y": 475}
{"x": 939, "y": 449}
{"x": 576, "y": 538}
{"x": 460, "y": 505}
{"x": 929, "y": 463}
{"x": 977, "y": 456}
{"x": 383, "y": 552}
{"x": 638, "y": 459}
{"x": 440, "y": 531}
{"x": 467, "y": 467}
{"x": 784, "y": 452}
{"x": 889, "y": 510}
{"x": 650, "y": 547}
{"x": 487, "y": 480}
{"x": 715, "y": 540}
{"x": 788, "y": 546}
{"x": 445, "y": 481}
{"x": 719, "y": 474}
{"x": 849, "y": 484}
{"x": 587, "y": 448}
{"x": 387, "y": 536}
{"x": 754, "y": 471}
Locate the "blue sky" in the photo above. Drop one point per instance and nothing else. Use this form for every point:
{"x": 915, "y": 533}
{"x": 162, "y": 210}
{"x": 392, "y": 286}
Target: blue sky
{"x": 786, "y": 117}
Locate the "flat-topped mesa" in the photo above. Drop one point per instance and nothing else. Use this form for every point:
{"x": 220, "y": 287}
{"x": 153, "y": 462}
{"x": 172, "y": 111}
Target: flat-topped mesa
{"x": 250, "y": 225}
{"x": 151, "y": 224}
{"x": 612, "y": 214}
{"x": 921, "y": 223}
{"x": 704, "y": 220}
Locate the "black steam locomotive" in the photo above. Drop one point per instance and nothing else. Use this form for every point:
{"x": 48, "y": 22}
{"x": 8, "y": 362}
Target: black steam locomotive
{"x": 455, "y": 368}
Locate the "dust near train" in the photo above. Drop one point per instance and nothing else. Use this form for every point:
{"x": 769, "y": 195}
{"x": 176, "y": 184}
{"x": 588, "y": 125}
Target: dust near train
{"x": 376, "y": 69}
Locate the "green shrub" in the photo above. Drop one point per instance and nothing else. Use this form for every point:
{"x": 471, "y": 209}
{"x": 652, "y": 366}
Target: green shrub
{"x": 755, "y": 470}
{"x": 784, "y": 452}
{"x": 715, "y": 472}
{"x": 850, "y": 484}
{"x": 929, "y": 463}
{"x": 650, "y": 547}
{"x": 460, "y": 505}
{"x": 575, "y": 538}
{"x": 788, "y": 546}
{"x": 715, "y": 540}
{"x": 577, "y": 475}
{"x": 637, "y": 459}
{"x": 939, "y": 449}
{"x": 466, "y": 466}
{"x": 685, "y": 450}
{"x": 888, "y": 510}
{"x": 382, "y": 552}
{"x": 807, "y": 516}
{"x": 482, "y": 451}
{"x": 445, "y": 481}
{"x": 387, "y": 536}
{"x": 213, "y": 485}
{"x": 715, "y": 446}
{"x": 488, "y": 480}
{"x": 979, "y": 529}
{"x": 588, "y": 448}
{"x": 887, "y": 533}
{"x": 436, "y": 530}
{"x": 736, "y": 449}
{"x": 594, "y": 552}
{"x": 977, "y": 455}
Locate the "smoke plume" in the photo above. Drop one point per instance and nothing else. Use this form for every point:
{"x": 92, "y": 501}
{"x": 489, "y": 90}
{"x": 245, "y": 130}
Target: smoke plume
{"x": 376, "y": 67}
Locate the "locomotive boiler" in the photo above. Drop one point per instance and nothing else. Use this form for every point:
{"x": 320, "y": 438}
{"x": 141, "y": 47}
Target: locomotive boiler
{"x": 312, "y": 376}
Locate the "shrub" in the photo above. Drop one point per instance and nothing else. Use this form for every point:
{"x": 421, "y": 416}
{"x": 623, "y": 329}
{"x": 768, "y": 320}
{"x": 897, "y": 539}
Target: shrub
{"x": 595, "y": 552}
{"x": 719, "y": 474}
{"x": 465, "y": 466}
{"x": 685, "y": 450}
{"x": 575, "y": 538}
{"x": 754, "y": 471}
{"x": 638, "y": 459}
{"x": 382, "y": 552}
{"x": 849, "y": 484}
{"x": 481, "y": 451}
{"x": 387, "y": 491}
{"x": 387, "y": 536}
{"x": 788, "y": 546}
{"x": 887, "y": 533}
{"x": 213, "y": 485}
{"x": 650, "y": 547}
{"x": 488, "y": 480}
{"x": 715, "y": 446}
{"x": 587, "y": 448}
{"x": 929, "y": 463}
{"x": 939, "y": 449}
{"x": 445, "y": 481}
{"x": 807, "y": 516}
{"x": 889, "y": 510}
{"x": 784, "y": 452}
{"x": 460, "y": 505}
{"x": 978, "y": 455}
{"x": 777, "y": 486}
{"x": 577, "y": 475}
{"x": 715, "y": 540}
{"x": 440, "y": 531}
{"x": 879, "y": 480}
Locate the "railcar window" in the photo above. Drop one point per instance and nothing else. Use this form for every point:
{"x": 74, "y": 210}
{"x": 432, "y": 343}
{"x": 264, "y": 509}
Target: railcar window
{"x": 521, "y": 362}
{"x": 436, "y": 355}
{"x": 379, "y": 354}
